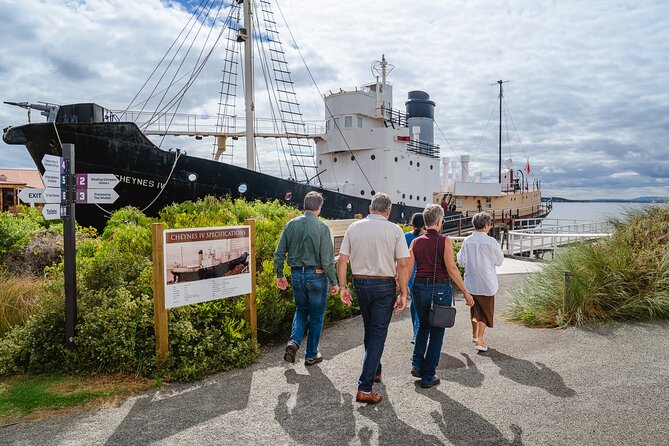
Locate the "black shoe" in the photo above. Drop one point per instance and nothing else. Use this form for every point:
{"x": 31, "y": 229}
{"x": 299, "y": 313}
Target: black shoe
{"x": 434, "y": 382}
{"x": 291, "y": 349}
{"x": 416, "y": 373}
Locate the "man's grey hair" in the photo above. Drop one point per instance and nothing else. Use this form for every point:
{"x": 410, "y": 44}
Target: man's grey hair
{"x": 432, "y": 214}
{"x": 380, "y": 203}
{"x": 481, "y": 219}
{"x": 313, "y": 201}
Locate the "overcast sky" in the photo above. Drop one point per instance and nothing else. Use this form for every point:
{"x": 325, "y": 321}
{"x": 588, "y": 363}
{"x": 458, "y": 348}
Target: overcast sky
{"x": 588, "y": 89}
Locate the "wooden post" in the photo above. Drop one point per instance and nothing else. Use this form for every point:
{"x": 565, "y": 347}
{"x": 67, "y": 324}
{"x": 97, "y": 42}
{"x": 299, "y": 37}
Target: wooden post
{"x": 159, "y": 311}
{"x": 251, "y": 312}
{"x": 567, "y": 291}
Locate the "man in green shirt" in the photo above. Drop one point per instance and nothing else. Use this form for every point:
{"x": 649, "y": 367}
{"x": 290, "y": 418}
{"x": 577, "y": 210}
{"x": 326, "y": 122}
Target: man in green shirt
{"x": 307, "y": 243}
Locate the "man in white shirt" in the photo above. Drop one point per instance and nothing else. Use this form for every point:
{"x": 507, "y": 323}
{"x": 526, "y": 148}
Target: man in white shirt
{"x": 379, "y": 254}
{"x": 479, "y": 255}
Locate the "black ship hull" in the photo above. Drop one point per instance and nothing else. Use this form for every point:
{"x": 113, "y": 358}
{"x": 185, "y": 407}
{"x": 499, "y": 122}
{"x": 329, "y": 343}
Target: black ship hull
{"x": 152, "y": 178}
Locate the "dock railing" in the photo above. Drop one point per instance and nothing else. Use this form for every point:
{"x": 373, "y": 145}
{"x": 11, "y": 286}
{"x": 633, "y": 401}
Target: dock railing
{"x": 550, "y": 234}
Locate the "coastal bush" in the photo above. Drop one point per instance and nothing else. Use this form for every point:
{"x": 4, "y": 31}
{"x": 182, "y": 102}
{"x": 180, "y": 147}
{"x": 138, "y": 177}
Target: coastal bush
{"x": 624, "y": 277}
{"x": 115, "y": 303}
{"x": 17, "y": 229}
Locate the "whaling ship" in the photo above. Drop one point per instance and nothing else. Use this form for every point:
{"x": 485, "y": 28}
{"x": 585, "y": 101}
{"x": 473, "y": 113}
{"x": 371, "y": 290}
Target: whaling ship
{"x": 366, "y": 144}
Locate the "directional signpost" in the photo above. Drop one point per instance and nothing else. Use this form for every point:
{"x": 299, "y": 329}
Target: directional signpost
{"x": 64, "y": 189}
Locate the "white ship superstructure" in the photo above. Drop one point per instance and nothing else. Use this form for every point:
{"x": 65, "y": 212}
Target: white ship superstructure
{"x": 370, "y": 147}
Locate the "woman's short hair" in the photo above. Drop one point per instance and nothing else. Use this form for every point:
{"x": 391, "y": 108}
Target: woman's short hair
{"x": 380, "y": 203}
{"x": 432, "y": 214}
{"x": 480, "y": 220}
{"x": 313, "y": 201}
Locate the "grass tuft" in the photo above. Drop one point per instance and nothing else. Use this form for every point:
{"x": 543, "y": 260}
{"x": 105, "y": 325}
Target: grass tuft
{"x": 624, "y": 277}
{"x": 19, "y": 299}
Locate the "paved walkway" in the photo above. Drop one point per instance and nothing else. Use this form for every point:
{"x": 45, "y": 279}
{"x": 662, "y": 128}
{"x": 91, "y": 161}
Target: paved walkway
{"x": 603, "y": 386}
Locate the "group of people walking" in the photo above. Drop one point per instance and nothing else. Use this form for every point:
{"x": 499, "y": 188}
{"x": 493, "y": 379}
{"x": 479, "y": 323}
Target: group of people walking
{"x": 389, "y": 268}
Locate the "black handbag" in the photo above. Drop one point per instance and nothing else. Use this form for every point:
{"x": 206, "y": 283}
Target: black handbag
{"x": 442, "y": 316}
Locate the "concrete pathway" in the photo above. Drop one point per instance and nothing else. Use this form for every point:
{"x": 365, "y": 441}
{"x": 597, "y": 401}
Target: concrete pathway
{"x": 600, "y": 386}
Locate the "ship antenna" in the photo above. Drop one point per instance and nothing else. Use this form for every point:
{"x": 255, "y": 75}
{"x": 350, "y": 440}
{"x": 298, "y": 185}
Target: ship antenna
{"x": 382, "y": 68}
{"x": 501, "y": 95}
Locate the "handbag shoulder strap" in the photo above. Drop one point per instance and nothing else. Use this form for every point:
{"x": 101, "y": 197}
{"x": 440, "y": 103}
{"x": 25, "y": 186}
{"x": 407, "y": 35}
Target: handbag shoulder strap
{"x": 434, "y": 274}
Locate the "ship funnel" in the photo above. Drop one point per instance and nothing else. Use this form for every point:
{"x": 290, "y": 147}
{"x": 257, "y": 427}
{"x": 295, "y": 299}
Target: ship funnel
{"x": 464, "y": 161}
{"x": 420, "y": 112}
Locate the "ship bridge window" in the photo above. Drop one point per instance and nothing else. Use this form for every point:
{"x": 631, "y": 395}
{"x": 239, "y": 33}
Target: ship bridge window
{"x": 336, "y": 122}
{"x": 348, "y": 121}
{"x": 327, "y": 125}
{"x": 359, "y": 122}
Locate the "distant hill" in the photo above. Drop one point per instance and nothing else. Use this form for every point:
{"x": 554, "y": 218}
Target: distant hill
{"x": 613, "y": 200}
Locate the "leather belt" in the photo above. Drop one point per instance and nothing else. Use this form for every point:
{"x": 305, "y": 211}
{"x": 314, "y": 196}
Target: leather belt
{"x": 307, "y": 268}
{"x": 430, "y": 280}
{"x": 363, "y": 276}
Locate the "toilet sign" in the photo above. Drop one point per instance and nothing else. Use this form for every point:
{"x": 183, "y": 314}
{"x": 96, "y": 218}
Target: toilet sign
{"x": 53, "y": 211}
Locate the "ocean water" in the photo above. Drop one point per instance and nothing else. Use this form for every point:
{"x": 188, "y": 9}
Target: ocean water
{"x": 592, "y": 211}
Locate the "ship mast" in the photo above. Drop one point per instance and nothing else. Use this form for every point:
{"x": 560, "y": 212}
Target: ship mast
{"x": 247, "y": 36}
{"x": 501, "y": 95}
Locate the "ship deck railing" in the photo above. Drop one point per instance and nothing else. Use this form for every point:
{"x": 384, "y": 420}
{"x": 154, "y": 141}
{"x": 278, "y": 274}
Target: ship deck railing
{"x": 187, "y": 124}
{"x": 551, "y": 234}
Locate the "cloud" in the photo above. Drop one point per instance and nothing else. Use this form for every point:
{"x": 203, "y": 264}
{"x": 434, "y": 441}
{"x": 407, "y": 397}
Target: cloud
{"x": 586, "y": 93}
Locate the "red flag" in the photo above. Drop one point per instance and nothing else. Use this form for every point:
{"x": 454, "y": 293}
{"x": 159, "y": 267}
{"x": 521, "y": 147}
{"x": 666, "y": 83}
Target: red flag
{"x": 527, "y": 166}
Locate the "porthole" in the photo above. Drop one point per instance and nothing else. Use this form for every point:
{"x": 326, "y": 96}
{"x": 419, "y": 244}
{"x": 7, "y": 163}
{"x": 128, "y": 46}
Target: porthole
{"x": 418, "y": 164}
{"x": 411, "y": 163}
{"x": 404, "y": 195}
{"x": 431, "y": 166}
{"x": 424, "y": 198}
{"x": 320, "y": 162}
{"x": 192, "y": 177}
{"x": 417, "y": 198}
{"x": 373, "y": 157}
{"x": 288, "y": 196}
{"x": 349, "y": 207}
{"x": 410, "y": 197}
{"x": 362, "y": 192}
{"x": 373, "y": 193}
{"x": 334, "y": 159}
{"x": 242, "y": 188}
{"x": 402, "y": 214}
{"x": 352, "y": 157}
{"x": 395, "y": 159}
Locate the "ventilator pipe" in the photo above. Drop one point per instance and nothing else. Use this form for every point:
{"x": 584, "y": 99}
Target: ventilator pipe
{"x": 464, "y": 161}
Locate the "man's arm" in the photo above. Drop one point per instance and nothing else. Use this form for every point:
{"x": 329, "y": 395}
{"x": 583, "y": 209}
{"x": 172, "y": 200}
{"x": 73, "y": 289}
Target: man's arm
{"x": 280, "y": 259}
{"x": 342, "y": 266}
{"x": 403, "y": 279}
{"x": 326, "y": 256}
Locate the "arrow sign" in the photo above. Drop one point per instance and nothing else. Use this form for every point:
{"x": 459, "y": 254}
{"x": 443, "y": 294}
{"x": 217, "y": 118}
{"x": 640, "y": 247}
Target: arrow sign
{"x": 52, "y": 195}
{"x": 51, "y": 178}
{"x": 32, "y": 195}
{"x": 96, "y": 181}
{"x": 100, "y": 196}
{"x": 52, "y": 163}
{"x": 51, "y": 211}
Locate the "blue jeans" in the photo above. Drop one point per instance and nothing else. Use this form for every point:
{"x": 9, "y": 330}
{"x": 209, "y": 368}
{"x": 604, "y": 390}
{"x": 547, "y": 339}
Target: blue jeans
{"x": 311, "y": 292}
{"x": 427, "y": 348}
{"x": 376, "y": 298}
{"x": 412, "y": 306}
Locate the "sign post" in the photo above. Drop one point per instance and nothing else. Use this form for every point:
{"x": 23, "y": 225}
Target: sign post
{"x": 159, "y": 311}
{"x": 69, "y": 239}
{"x": 251, "y": 311}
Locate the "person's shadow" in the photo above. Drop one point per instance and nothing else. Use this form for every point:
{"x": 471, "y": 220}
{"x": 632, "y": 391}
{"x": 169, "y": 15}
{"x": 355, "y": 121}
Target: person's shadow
{"x": 392, "y": 430}
{"x": 465, "y": 373}
{"x": 462, "y": 426}
{"x": 527, "y": 373}
{"x": 321, "y": 412}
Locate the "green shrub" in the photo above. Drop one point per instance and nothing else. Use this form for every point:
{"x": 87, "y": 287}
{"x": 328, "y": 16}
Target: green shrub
{"x": 623, "y": 277}
{"x": 17, "y": 229}
{"x": 115, "y": 303}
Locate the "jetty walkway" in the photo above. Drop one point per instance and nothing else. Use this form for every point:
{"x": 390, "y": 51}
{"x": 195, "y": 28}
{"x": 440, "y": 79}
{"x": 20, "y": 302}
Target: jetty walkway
{"x": 598, "y": 386}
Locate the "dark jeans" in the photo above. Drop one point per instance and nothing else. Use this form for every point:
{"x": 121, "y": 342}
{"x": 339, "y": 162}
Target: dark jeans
{"x": 311, "y": 293}
{"x": 427, "y": 348}
{"x": 376, "y": 298}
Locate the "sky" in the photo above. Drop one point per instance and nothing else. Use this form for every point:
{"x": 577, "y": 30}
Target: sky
{"x": 587, "y": 90}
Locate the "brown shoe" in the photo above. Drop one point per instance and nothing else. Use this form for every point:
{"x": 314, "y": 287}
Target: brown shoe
{"x": 368, "y": 397}
{"x": 377, "y": 378}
